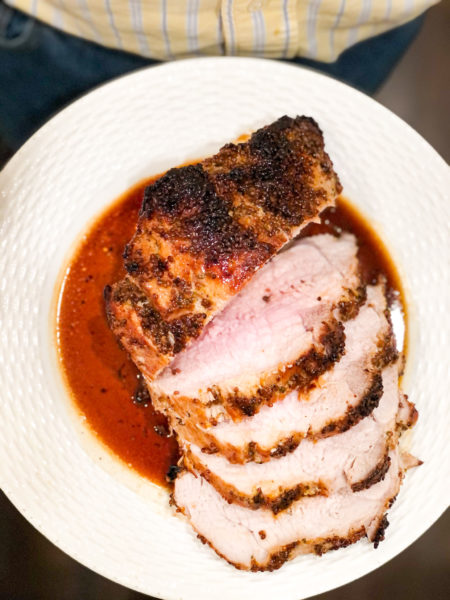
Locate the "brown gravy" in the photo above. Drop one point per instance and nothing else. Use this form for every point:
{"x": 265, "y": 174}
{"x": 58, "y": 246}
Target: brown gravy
{"x": 101, "y": 378}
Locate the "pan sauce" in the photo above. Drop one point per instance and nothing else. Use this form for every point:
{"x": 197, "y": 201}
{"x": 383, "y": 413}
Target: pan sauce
{"x": 101, "y": 379}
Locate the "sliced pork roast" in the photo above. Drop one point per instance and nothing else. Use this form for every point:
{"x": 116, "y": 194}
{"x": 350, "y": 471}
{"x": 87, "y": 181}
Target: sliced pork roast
{"x": 279, "y": 333}
{"x": 205, "y": 229}
{"x": 358, "y": 457}
{"x": 342, "y": 396}
{"x": 259, "y": 540}
{"x": 276, "y": 366}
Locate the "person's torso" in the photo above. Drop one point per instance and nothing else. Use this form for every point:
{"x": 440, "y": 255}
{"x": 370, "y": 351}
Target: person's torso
{"x": 166, "y": 29}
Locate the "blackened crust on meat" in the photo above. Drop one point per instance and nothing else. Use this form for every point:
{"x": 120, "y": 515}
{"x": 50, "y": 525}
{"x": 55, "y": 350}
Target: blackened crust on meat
{"x": 387, "y": 351}
{"x": 205, "y": 229}
{"x": 408, "y": 414}
{"x": 231, "y": 494}
{"x": 276, "y": 560}
{"x": 368, "y": 403}
{"x": 172, "y": 473}
{"x": 317, "y": 546}
{"x": 167, "y": 336}
{"x": 280, "y": 502}
{"x": 270, "y": 388}
{"x": 306, "y": 369}
{"x": 349, "y": 308}
{"x": 355, "y": 413}
{"x": 281, "y": 449}
{"x": 226, "y": 400}
{"x": 268, "y": 166}
{"x": 285, "y": 497}
{"x": 254, "y": 452}
{"x": 379, "y": 535}
{"x": 378, "y": 474}
{"x": 187, "y": 198}
{"x": 335, "y": 542}
{"x": 234, "y": 210}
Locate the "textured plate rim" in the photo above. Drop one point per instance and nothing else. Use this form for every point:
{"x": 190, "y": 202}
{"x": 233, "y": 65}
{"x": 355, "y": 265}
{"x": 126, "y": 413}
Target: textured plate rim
{"x": 61, "y": 116}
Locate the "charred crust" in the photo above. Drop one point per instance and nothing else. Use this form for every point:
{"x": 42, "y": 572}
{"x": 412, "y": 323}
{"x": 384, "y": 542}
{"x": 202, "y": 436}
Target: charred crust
{"x": 349, "y": 308}
{"x": 168, "y": 336}
{"x": 276, "y": 504}
{"x": 306, "y": 368}
{"x": 255, "y": 502}
{"x": 412, "y": 413}
{"x": 285, "y": 447}
{"x": 276, "y": 560}
{"x": 270, "y": 167}
{"x": 387, "y": 352}
{"x": 287, "y": 497}
{"x": 375, "y": 476}
{"x": 173, "y": 472}
{"x": 187, "y": 198}
{"x": 368, "y": 404}
{"x": 319, "y": 547}
{"x": 284, "y": 553}
{"x": 173, "y": 193}
{"x": 391, "y": 501}
{"x": 158, "y": 267}
{"x": 275, "y": 170}
{"x": 379, "y": 534}
{"x": 335, "y": 542}
{"x": 354, "y": 414}
{"x": 314, "y": 363}
{"x": 132, "y": 267}
{"x": 253, "y": 452}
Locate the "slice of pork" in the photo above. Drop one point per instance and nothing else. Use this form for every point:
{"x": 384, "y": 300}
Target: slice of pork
{"x": 358, "y": 457}
{"x": 341, "y": 397}
{"x": 278, "y": 333}
{"x": 259, "y": 540}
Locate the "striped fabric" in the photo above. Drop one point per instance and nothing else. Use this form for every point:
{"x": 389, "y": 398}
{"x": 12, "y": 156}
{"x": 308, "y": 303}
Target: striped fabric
{"x": 166, "y": 29}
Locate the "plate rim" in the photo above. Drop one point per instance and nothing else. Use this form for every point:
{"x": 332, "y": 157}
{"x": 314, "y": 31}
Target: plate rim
{"x": 10, "y": 165}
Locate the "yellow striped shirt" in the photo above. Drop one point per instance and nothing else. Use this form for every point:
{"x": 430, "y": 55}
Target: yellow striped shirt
{"x": 166, "y": 29}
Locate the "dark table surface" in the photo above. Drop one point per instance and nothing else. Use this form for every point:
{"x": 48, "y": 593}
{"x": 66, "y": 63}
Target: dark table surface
{"x": 31, "y": 568}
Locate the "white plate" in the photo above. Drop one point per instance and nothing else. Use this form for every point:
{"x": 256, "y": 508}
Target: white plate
{"x": 109, "y": 519}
